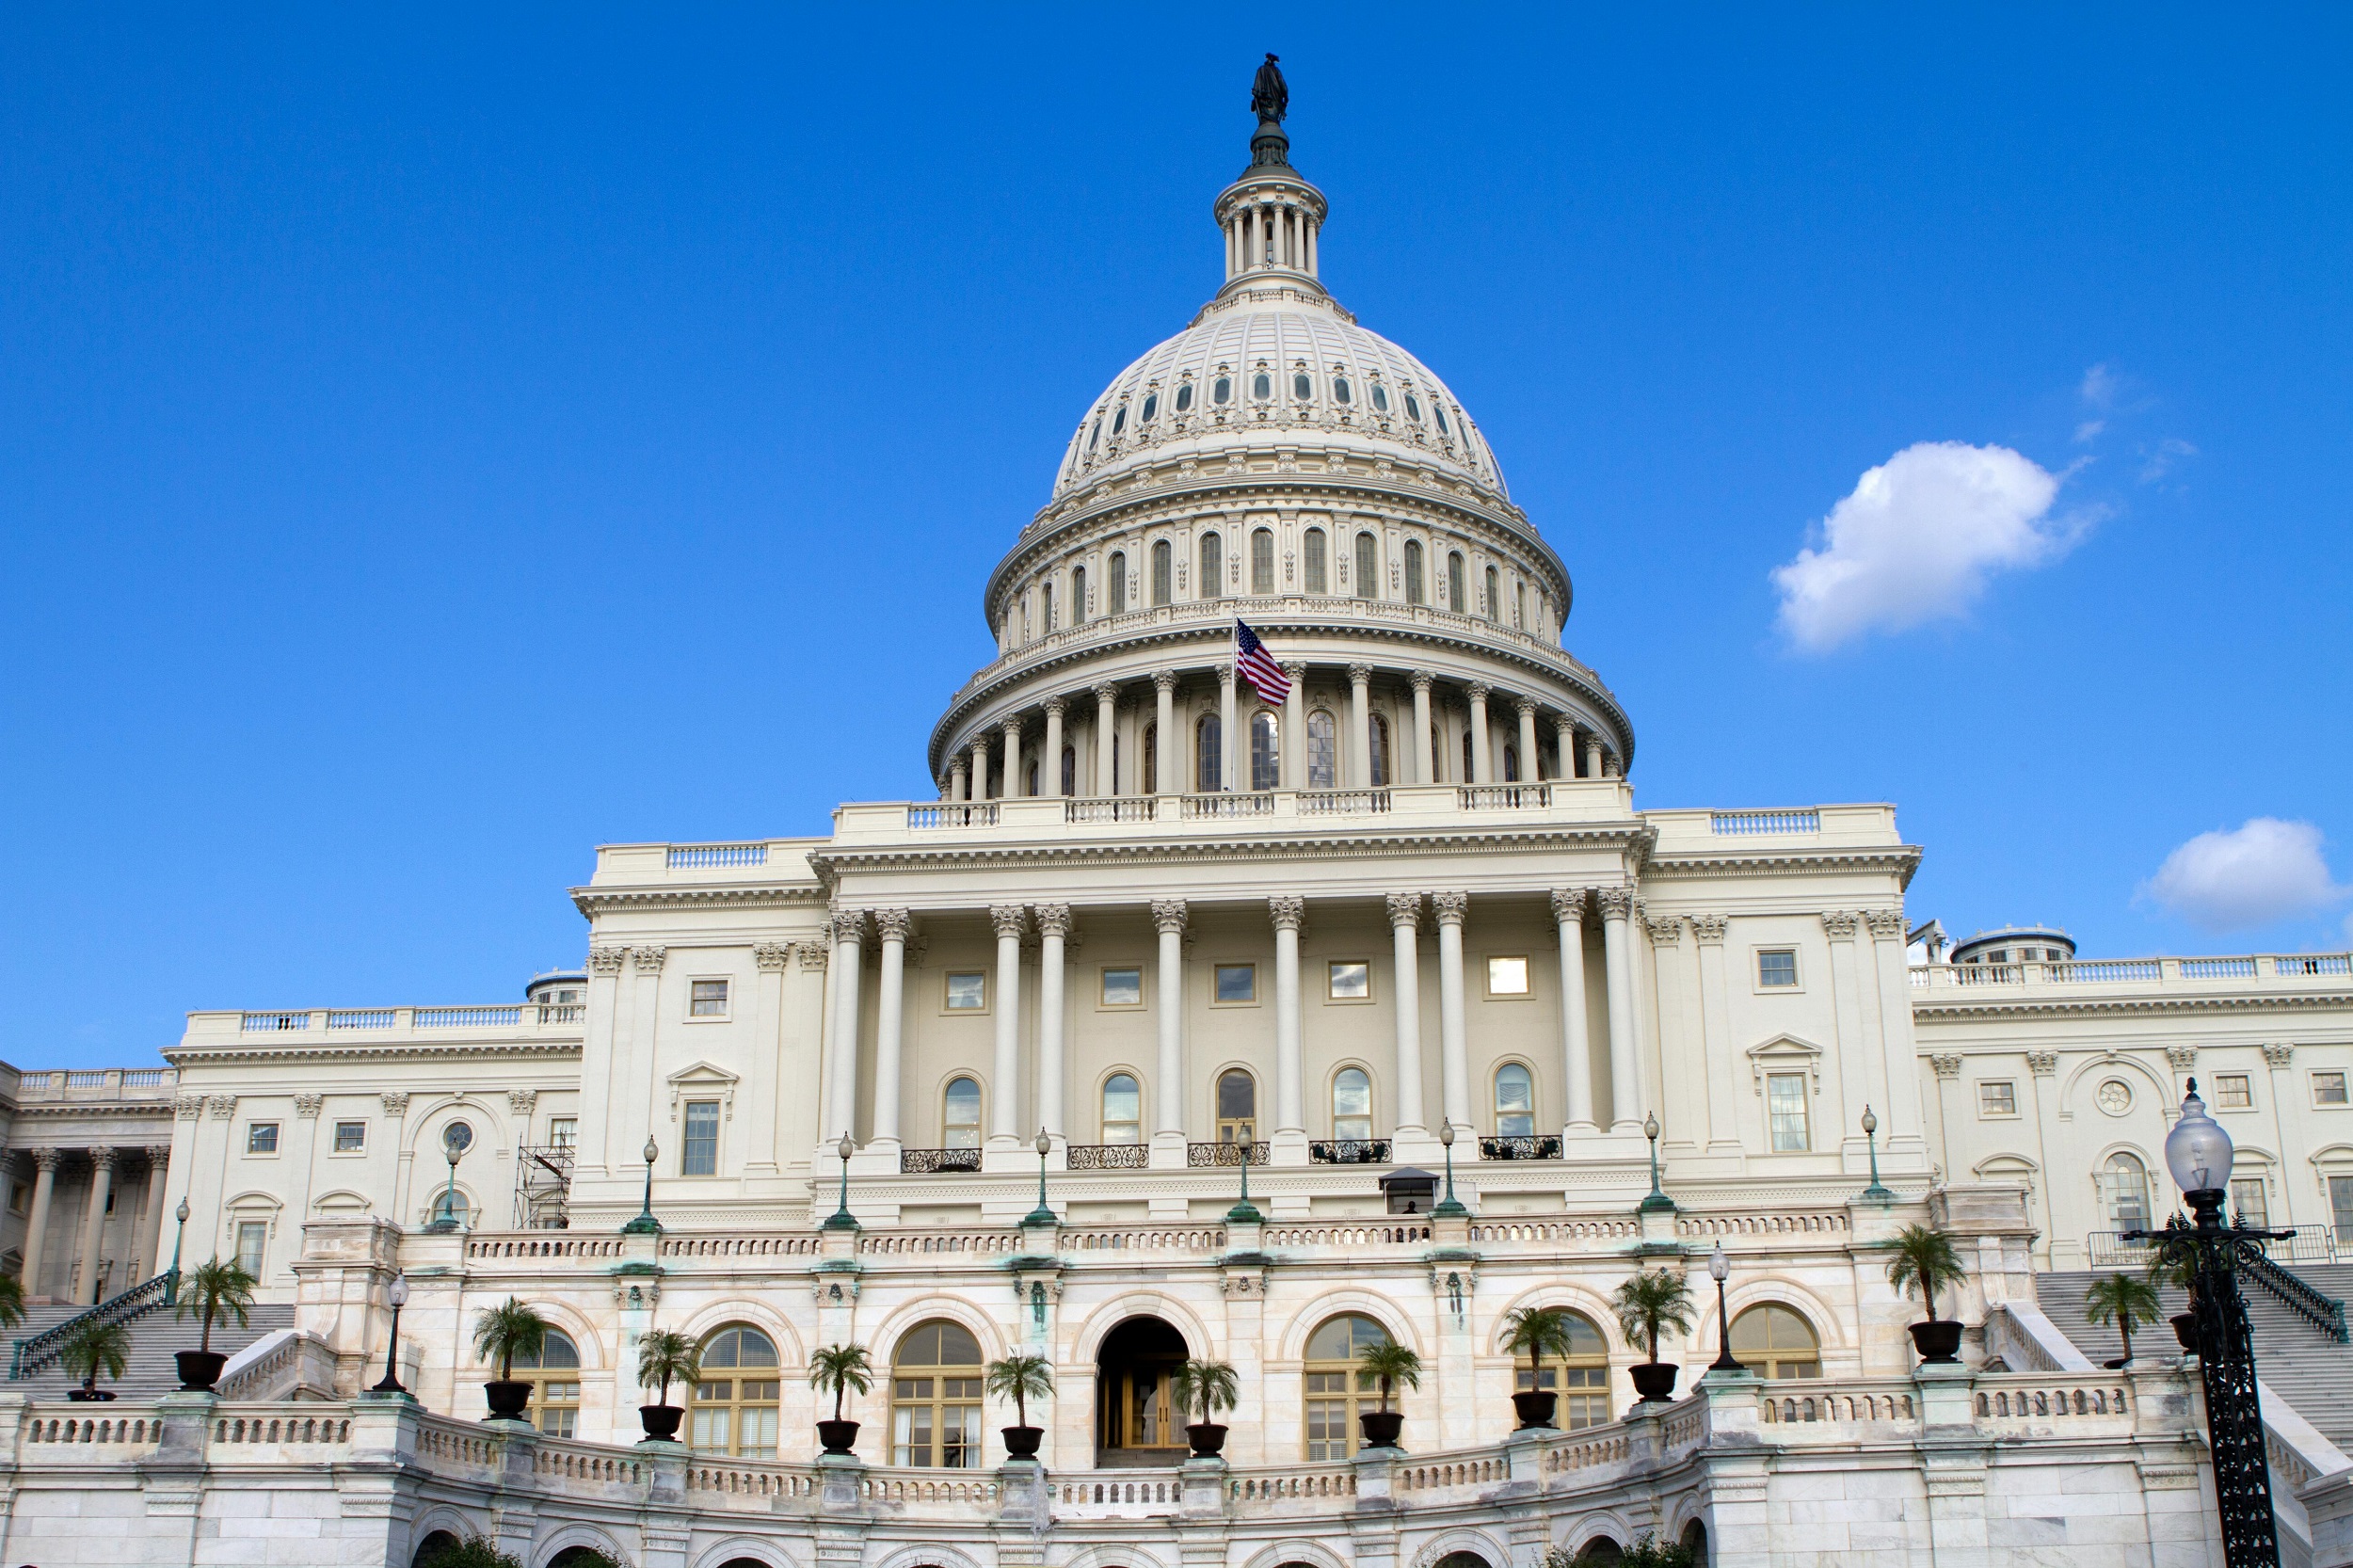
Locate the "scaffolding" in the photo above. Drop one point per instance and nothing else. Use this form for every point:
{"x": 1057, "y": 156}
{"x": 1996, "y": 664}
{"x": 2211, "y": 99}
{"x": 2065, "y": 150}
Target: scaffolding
{"x": 543, "y": 1186}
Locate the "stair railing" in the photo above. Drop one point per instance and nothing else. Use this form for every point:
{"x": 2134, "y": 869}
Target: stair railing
{"x": 44, "y": 1349}
{"x": 2325, "y": 1313}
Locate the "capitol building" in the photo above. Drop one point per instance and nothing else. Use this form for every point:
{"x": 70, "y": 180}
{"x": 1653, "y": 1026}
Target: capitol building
{"x": 1199, "y": 1013}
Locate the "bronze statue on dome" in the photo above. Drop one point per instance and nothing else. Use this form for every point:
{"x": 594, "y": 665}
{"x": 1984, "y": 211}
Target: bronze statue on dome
{"x": 1269, "y": 97}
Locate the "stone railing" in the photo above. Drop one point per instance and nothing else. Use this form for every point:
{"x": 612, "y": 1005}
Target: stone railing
{"x": 98, "y": 1086}
{"x": 285, "y": 1364}
{"x": 2242, "y": 971}
{"x": 539, "y": 1245}
{"x": 374, "y": 1024}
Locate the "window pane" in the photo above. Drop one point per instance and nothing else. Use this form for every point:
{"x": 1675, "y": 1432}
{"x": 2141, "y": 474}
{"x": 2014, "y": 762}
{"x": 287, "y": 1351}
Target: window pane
{"x": 1352, "y": 980}
{"x": 1777, "y": 968}
{"x": 2232, "y": 1092}
{"x": 1123, "y": 987}
{"x": 1381, "y": 397}
{"x": 252, "y": 1241}
{"x": 2329, "y": 1088}
{"x": 1367, "y": 567}
{"x": 1162, "y": 568}
{"x": 2341, "y": 1206}
{"x": 1265, "y": 755}
{"x": 1262, "y": 562}
{"x": 709, "y": 998}
{"x": 1507, "y": 977}
{"x": 1319, "y": 566}
{"x": 1119, "y": 586}
{"x": 2246, "y": 1201}
{"x": 963, "y": 1118}
{"x": 702, "y": 1139}
{"x": 1236, "y": 1094}
{"x": 1213, "y": 584}
{"x": 1784, "y": 1095}
{"x": 1123, "y": 1110}
{"x": 261, "y": 1138}
{"x": 968, "y": 992}
{"x": 1413, "y": 571}
{"x": 1323, "y": 751}
{"x": 1237, "y": 983}
{"x": 1209, "y": 759}
{"x": 1351, "y": 1104}
{"x": 1997, "y": 1099}
{"x": 1301, "y": 387}
{"x": 350, "y": 1137}
{"x": 1380, "y": 728}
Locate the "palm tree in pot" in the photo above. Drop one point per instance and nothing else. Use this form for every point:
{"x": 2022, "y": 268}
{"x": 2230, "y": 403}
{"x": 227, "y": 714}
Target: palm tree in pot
{"x": 666, "y": 1356}
{"x": 1023, "y": 1376}
{"x": 11, "y": 1301}
{"x": 1650, "y": 1302}
{"x": 1536, "y": 1331}
{"x": 94, "y": 1348}
{"x": 1212, "y": 1386}
{"x": 2173, "y": 1261}
{"x": 500, "y": 1335}
{"x": 840, "y": 1371}
{"x": 1925, "y": 1260}
{"x": 2127, "y": 1303}
{"x": 215, "y": 1292}
{"x": 1390, "y": 1365}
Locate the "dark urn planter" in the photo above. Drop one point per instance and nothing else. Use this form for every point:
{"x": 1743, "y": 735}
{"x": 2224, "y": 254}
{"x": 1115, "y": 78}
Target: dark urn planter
{"x": 1381, "y": 1427}
{"x": 1208, "y": 1439}
{"x": 837, "y": 1436}
{"x": 2185, "y": 1330}
{"x": 1654, "y": 1380}
{"x": 85, "y": 1396}
{"x": 1021, "y": 1442}
{"x": 199, "y": 1369}
{"x": 509, "y": 1397}
{"x": 1534, "y": 1406}
{"x": 1938, "y": 1341}
{"x": 661, "y": 1421}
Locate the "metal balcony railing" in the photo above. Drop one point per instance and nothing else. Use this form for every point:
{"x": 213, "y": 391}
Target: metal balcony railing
{"x": 1224, "y": 1154}
{"x": 1349, "y": 1151}
{"x": 1107, "y": 1157}
{"x": 937, "y": 1161}
{"x": 1540, "y": 1146}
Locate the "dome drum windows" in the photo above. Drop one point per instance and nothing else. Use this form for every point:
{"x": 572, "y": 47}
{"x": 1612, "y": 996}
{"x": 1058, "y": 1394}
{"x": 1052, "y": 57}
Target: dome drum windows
{"x": 1323, "y": 751}
{"x": 1341, "y": 392}
{"x": 1115, "y": 597}
{"x": 1222, "y": 390}
{"x": 1152, "y": 408}
{"x": 1266, "y": 770}
{"x": 1119, "y": 421}
{"x": 1213, "y": 566}
{"x": 1316, "y": 551}
{"x": 1367, "y": 565}
{"x": 1262, "y": 387}
{"x": 1302, "y": 387}
{"x": 1380, "y": 398}
{"x": 1414, "y": 593}
{"x": 1184, "y": 397}
{"x": 1262, "y": 562}
{"x": 1163, "y": 572}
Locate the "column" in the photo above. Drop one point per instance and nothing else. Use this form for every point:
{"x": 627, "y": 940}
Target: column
{"x": 1313, "y": 230}
{"x": 1530, "y": 766}
{"x": 1004, "y": 1100}
{"x": 1482, "y": 758}
{"x": 1592, "y": 757}
{"x": 1291, "y": 1117}
{"x": 1616, "y": 906}
{"x": 2277, "y": 1058}
{"x": 1577, "y": 1047}
{"x": 1050, "y": 765}
{"x": 1359, "y": 728}
{"x": 1106, "y": 720}
{"x": 1053, "y": 926}
{"x": 980, "y": 766}
{"x": 1685, "y": 1119}
{"x": 1166, "y": 751}
{"x": 1295, "y": 728}
{"x": 1893, "y": 969}
{"x": 892, "y": 925}
{"x": 849, "y": 941}
{"x": 1226, "y": 750}
{"x": 1423, "y": 751}
{"x": 147, "y": 1253}
{"x": 1012, "y": 758}
{"x": 37, "y": 1228}
{"x": 800, "y": 1114}
{"x": 958, "y": 789}
{"x": 1168, "y": 1095}
{"x": 768, "y": 1056}
{"x": 1853, "y": 1047}
{"x": 1565, "y": 763}
{"x": 1723, "y": 1127}
{"x": 102, "y": 1178}
{"x": 1404, "y": 927}
{"x": 1453, "y": 1047}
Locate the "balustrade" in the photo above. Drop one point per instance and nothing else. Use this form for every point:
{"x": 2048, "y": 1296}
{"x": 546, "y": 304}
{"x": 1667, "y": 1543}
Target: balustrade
{"x": 937, "y": 1161}
{"x": 1107, "y": 1157}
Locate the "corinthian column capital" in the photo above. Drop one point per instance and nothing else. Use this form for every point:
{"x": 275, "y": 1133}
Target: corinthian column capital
{"x": 892, "y": 925}
{"x": 1568, "y": 903}
{"x": 1168, "y": 913}
{"x": 1452, "y": 908}
{"x": 1289, "y": 913}
{"x": 1404, "y": 909}
{"x": 1616, "y": 903}
{"x": 1010, "y": 920}
{"x": 1053, "y": 919}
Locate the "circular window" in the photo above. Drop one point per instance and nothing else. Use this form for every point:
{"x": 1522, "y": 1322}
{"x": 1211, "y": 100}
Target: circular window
{"x": 2115, "y": 1096}
{"x": 1184, "y": 397}
{"x": 1223, "y": 391}
{"x": 1380, "y": 397}
{"x": 458, "y": 1138}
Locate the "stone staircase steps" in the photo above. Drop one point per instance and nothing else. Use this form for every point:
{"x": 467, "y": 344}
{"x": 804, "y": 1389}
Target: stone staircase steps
{"x": 155, "y": 1337}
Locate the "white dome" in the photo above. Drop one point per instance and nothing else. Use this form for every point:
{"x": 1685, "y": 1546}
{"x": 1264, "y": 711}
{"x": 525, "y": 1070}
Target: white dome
{"x": 1351, "y": 374}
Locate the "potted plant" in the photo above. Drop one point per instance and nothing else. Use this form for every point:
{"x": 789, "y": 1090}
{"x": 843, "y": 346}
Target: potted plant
{"x": 2173, "y": 1260}
{"x": 500, "y": 1335}
{"x": 1211, "y": 1385}
{"x": 1021, "y": 1377}
{"x": 11, "y": 1301}
{"x": 214, "y": 1291}
{"x": 94, "y": 1348}
{"x": 1925, "y": 1260}
{"x": 1536, "y": 1331}
{"x": 1390, "y": 1365}
{"x": 2127, "y": 1303}
{"x": 666, "y": 1356}
{"x": 838, "y": 1369}
{"x": 1650, "y": 1300}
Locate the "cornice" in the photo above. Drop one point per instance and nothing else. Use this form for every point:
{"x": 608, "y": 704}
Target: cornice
{"x": 2144, "y": 1005}
{"x": 182, "y": 1055}
{"x": 1903, "y": 859}
{"x": 64, "y": 1112}
{"x": 592, "y": 901}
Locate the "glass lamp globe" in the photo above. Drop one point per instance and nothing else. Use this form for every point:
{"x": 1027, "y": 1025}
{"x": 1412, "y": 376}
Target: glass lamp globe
{"x": 1445, "y": 1134}
{"x": 1718, "y": 1266}
{"x": 398, "y": 1293}
{"x": 845, "y": 1147}
{"x": 1045, "y": 1143}
{"x": 2198, "y": 1151}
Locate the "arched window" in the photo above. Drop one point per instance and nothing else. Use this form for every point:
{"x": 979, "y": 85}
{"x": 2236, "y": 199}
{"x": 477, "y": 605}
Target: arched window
{"x": 1515, "y": 1102}
{"x": 1097, "y": 434}
{"x": 1493, "y": 608}
{"x": 1413, "y": 571}
{"x": 1380, "y": 752}
{"x": 553, "y": 1372}
{"x": 1262, "y": 386}
{"x": 1412, "y": 408}
{"x": 1323, "y": 751}
{"x": 1222, "y": 393}
{"x": 1184, "y": 397}
{"x": 1262, "y": 561}
{"x": 1117, "y": 599}
{"x": 1119, "y": 420}
{"x": 960, "y": 1114}
{"x": 1046, "y": 600}
{"x": 1152, "y": 408}
{"x": 1164, "y": 571}
{"x": 1581, "y": 1378}
{"x": 2125, "y": 1188}
{"x": 1151, "y": 760}
{"x": 1319, "y": 566}
{"x": 936, "y": 1379}
{"x": 1336, "y": 1391}
{"x": 1367, "y": 567}
{"x": 1070, "y": 770}
{"x": 1077, "y": 596}
{"x": 1208, "y": 753}
{"x": 1123, "y": 1110}
{"x": 1302, "y": 387}
{"x": 1519, "y": 604}
{"x": 448, "y": 1203}
{"x": 1266, "y": 770}
{"x": 1469, "y": 773}
{"x": 1212, "y": 584}
{"x": 1439, "y": 409}
{"x": 735, "y": 1403}
{"x": 1351, "y": 1104}
{"x": 1237, "y": 1108}
{"x": 1341, "y": 391}
{"x": 1510, "y": 764}
{"x": 1380, "y": 398}
{"x": 1774, "y": 1342}
{"x": 1454, "y": 586}
{"x": 1033, "y": 790}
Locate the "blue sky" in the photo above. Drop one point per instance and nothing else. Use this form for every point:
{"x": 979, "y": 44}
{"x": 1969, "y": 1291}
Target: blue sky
{"x": 433, "y": 443}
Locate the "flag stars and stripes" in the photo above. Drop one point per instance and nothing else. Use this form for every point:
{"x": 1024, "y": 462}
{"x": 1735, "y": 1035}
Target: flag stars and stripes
{"x": 1253, "y": 663}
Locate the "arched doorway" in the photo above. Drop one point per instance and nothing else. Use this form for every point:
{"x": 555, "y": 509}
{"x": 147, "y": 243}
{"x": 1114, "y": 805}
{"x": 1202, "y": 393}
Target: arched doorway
{"x": 1599, "y": 1549}
{"x": 432, "y": 1546}
{"x": 1695, "y": 1542}
{"x": 1462, "y": 1560}
{"x": 1135, "y": 1423}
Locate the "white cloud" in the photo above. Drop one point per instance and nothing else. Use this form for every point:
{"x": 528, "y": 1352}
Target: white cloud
{"x": 2089, "y": 429}
{"x": 1917, "y": 539}
{"x": 2265, "y": 871}
{"x": 2099, "y": 388}
{"x": 2160, "y": 460}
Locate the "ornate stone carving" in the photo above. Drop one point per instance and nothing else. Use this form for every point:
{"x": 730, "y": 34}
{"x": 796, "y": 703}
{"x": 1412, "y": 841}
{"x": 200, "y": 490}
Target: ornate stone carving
{"x": 606, "y": 960}
{"x": 848, "y": 925}
{"x": 1168, "y": 913}
{"x": 1009, "y": 918}
{"x": 2182, "y": 1057}
{"x": 1526, "y": 707}
{"x": 188, "y": 1108}
{"x": 1710, "y": 928}
{"x": 158, "y": 1156}
{"x": 1422, "y": 680}
{"x": 308, "y": 1105}
{"x": 1840, "y": 923}
{"x": 649, "y": 960}
{"x": 222, "y": 1107}
{"x": 1359, "y": 675}
{"x": 1164, "y": 680}
{"x": 1452, "y": 908}
{"x": 1056, "y": 706}
{"x": 1615, "y": 904}
{"x": 1946, "y": 1066}
{"x": 894, "y": 925}
{"x": 2043, "y": 1064}
{"x": 813, "y": 956}
{"x": 521, "y": 1100}
{"x": 1404, "y": 909}
{"x": 1477, "y": 690}
{"x": 1665, "y": 930}
{"x": 1568, "y": 904}
{"x": 1287, "y": 912}
{"x": 395, "y": 1104}
{"x": 2278, "y": 1054}
{"x": 102, "y": 1157}
{"x": 771, "y": 957}
{"x": 1106, "y": 690}
{"x": 1885, "y": 922}
{"x": 1053, "y": 919}
{"x": 46, "y": 1160}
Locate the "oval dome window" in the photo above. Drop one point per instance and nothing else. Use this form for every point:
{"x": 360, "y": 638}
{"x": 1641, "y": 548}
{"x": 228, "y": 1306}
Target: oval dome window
{"x": 1262, "y": 385}
{"x": 1184, "y": 397}
{"x": 1412, "y": 408}
{"x": 1119, "y": 420}
{"x": 1223, "y": 391}
{"x": 1340, "y": 389}
{"x": 1302, "y": 388}
{"x": 1151, "y": 407}
{"x": 1381, "y": 397}
{"x": 1441, "y": 412}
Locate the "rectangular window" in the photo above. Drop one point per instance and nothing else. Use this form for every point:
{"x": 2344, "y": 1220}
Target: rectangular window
{"x": 261, "y": 1137}
{"x": 1123, "y": 987}
{"x": 708, "y": 1000}
{"x": 1997, "y": 1099}
{"x": 2341, "y": 1208}
{"x": 2233, "y": 1091}
{"x": 700, "y": 1156}
{"x": 1777, "y": 967}
{"x": 968, "y": 992}
{"x": 1785, "y": 1099}
{"x": 1349, "y": 979}
{"x": 2246, "y": 1202}
{"x": 19, "y": 1196}
{"x": 252, "y": 1243}
{"x": 2329, "y": 1088}
{"x": 562, "y": 1130}
{"x": 1239, "y": 983}
{"x": 1507, "y": 977}
{"x": 351, "y": 1137}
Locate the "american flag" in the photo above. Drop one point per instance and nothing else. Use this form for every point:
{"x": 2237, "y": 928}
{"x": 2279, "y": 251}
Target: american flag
{"x": 1257, "y": 666}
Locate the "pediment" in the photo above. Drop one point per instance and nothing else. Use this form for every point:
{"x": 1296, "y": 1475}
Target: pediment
{"x": 703, "y": 1080}
{"x": 1787, "y": 1053}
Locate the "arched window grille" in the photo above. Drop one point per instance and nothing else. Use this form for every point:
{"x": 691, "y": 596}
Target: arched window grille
{"x": 1262, "y": 561}
{"x": 735, "y": 1403}
{"x": 1151, "y": 760}
{"x": 1117, "y": 599}
{"x": 2125, "y": 1191}
{"x": 935, "y": 1378}
{"x": 1207, "y": 751}
{"x": 1164, "y": 571}
{"x": 1468, "y": 772}
{"x": 1414, "y": 593}
{"x": 1213, "y": 584}
{"x": 1581, "y": 1378}
{"x": 1519, "y": 604}
{"x": 1774, "y": 1342}
{"x": 1266, "y": 771}
{"x": 1367, "y": 567}
{"x": 1515, "y": 1102}
{"x": 1313, "y": 551}
{"x": 1237, "y": 1108}
{"x": 553, "y": 1372}
{"x": 1510, "y": 764}
{"x": 1494, "y": 606}
{"x": 1077, "y": 596}
{"x": 1323, "y": 751}
{"x": 960, "y": 1114}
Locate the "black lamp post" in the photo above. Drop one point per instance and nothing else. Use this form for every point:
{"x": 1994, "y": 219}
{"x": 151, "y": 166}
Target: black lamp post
{"x": 1657, "y": 1203}
{"x": 2198, "y": 1152}
{"x": 397, "y": 1294}
{"x": 1720, "y": 1270}
{"x": 1447, "y": 1208}
{"x": 1875, "y": 1192}
{"x": 646, "y": 1224}
{"x": 456, "y": 1139}
{"x": 1245, "y": 1212}
{"x": 842, "y": 1219}
{"x": 1041, "y": 1215}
